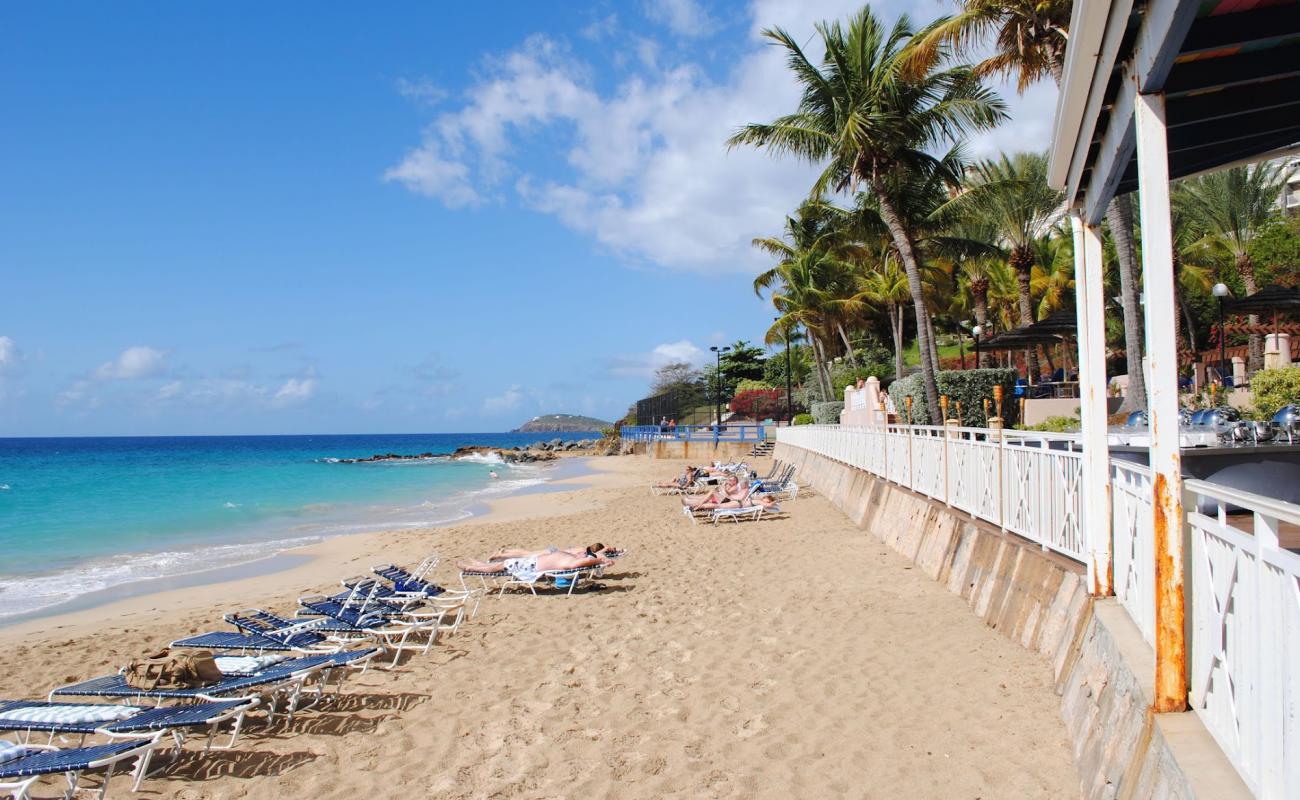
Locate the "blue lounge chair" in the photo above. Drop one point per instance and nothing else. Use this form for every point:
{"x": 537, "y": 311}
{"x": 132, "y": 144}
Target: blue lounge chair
{"x": 260, "y": 621}
{"x": 394, "y": 630}
{"x": 28, "y": 716}
{"x": 409, "y": 582}
{"x": 24, "y": 767}
{"x": 286, "y": 679}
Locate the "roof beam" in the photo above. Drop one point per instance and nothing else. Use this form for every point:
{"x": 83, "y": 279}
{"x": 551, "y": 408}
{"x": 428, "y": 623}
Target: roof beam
{"x": 1114, "y": 152}
{"x": 1165, "y": 24}
{"x": 1198, "y": 108}
{"x": 1114, "y": 34}
{"x": 1238, "y": 70}
{"x": 1272, "y": 23}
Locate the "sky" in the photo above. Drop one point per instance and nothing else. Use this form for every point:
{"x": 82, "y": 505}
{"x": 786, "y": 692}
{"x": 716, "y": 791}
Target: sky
{"x": 348, "y": 218}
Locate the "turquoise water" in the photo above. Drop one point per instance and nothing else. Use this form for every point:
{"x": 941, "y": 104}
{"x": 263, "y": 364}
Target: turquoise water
{"x": 79, "y": 515}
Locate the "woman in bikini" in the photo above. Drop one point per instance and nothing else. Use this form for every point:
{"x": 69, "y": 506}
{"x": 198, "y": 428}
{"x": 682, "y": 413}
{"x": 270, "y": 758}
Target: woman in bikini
{"x": 731, "y": 490}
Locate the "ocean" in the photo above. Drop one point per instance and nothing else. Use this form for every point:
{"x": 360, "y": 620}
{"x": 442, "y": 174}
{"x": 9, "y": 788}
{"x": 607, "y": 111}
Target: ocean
{"x": 80, "y": 515}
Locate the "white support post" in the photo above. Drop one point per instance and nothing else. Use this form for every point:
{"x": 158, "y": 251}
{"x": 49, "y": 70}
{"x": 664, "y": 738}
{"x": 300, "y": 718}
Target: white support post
{"x": 1162, "y": 406}
{"x": 1090, "y": 310}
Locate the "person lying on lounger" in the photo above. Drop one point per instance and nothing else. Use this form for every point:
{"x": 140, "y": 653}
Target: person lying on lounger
{"x": 765, "y": 501}
{"x": 731, "y": 490}
{"x": 596, "y": 550}
{"x": 545, "y": 562}
{"x": 684, "y": 481}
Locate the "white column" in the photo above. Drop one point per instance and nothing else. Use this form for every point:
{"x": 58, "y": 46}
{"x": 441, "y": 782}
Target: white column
{"x": 1162, "y": 392}
{"x": 1090, "y": 311}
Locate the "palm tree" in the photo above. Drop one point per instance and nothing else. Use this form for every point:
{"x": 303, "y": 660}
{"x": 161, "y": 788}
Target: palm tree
{"x": 810, "y": 284}
{"x": 872, "y": 122}
{"x": 1231, "y": 207}
{"x": 886, "y": 285}
{"x": 1011, "y": 194}
{"x": 1029, "y": 38}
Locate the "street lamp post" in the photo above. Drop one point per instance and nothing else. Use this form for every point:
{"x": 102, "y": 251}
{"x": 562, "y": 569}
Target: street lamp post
{"x": 975, "y": 332}
{"x": 1220, "y": 292}
{"x": 717, "y": 383}
{"x": 789, "y": 403}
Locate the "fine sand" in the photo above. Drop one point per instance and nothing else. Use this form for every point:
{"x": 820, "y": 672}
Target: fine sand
{"x": 789, "y": 658}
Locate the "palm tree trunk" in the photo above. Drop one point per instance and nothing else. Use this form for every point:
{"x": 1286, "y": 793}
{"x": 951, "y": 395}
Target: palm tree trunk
{"x": 1255, "y": 352}
{"x": 823, "y": 374}
{"x": 934, "y": 343}
{"x": 896, "y": 323}
{"x": 1119, "y": 215}
{"x": 1023, "y": 264}
{"x": 903, "y": 242}
{"x": 981, "y": 316}
{"x": 848, "y": 347}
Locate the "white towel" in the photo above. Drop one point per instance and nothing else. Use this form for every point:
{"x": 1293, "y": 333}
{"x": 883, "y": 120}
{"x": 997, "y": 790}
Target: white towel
{"x": 246, "y": 665}
{"x": 522, "y": 569}
{"x": 70, "y": 714}
{"x": 10, "y": 751}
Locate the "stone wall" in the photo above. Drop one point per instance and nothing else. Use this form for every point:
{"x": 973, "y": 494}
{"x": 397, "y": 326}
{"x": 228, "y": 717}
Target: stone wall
{"x": 1103, "y": 668}
{"x": 703, "y": 451}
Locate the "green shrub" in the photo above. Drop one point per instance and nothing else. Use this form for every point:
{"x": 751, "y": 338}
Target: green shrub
{"x": 802, "y": 419}
{"x": 1057, "y": 425}
{"x": 969, "y": 386}
{"x": 1273, "y": 388}
{"x": 827, "y": 413}
{"x": 749, "y": 385}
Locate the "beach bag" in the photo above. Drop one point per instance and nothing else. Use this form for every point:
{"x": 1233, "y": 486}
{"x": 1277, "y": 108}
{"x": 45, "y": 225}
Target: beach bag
{"x": 166, "y": 670}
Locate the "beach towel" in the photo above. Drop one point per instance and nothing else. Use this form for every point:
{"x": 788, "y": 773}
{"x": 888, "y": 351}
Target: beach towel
{"x": 247, "y": 665}
{"x": 523, "y": 569}
{"x": 71, "y": 714}
{"x": 10, "y": 751}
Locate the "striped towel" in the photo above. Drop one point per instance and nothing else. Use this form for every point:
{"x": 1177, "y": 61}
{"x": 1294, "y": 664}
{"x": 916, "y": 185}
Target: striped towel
{"x": 246, "y": 665}
{"x": 70, "y": 714}
{"x": 11, "y": 752}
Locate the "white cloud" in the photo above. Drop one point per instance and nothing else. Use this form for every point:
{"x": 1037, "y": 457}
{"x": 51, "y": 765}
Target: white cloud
{"x": 133, "y": 363}
{"x": 426, "y": 172}
{"x": 643, "y": 365}
{"x": 644, "y": 171}
{"x": 600, "y": 28}
{"x": 10, "y": 360}
{"x": 421, "y": 90}
{"x": 509, "y": 400}
{"x": 683, "y": 17}
{"x": 169, "y": 390}
{"x": 294, "y": 391}
{"x": 10, "y": 355}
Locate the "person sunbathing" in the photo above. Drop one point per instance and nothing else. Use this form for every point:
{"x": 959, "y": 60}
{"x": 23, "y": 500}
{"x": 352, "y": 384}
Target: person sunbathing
{"x": 766, "y": 501}
{"x": 577, "y": 550}
{"x": 544, "y": 562}
{"x": 731, "y": 490}
{"x": 684, "y": 481}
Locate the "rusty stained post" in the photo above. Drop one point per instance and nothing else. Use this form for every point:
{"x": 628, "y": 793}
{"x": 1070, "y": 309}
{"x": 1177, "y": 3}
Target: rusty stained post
{"x": 1162, "y": 406}
{"x": 943, "y": 406}
{"x": 1095, "y": 489}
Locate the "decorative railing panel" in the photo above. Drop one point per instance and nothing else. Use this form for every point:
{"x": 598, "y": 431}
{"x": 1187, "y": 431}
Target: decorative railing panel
{"x": 1244, "y": 602}
{"x": 1026, "y": 483}
{"x": 1133, "y": 526}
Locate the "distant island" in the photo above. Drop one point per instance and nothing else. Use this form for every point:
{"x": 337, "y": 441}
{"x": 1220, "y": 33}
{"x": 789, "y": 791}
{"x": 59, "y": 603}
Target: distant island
{"x": 563, "y": 423}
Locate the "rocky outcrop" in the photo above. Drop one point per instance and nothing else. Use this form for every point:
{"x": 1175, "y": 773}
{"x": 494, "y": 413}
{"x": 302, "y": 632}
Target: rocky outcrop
{"x": 387, "y": 457}
{"x": 562, "y": 423}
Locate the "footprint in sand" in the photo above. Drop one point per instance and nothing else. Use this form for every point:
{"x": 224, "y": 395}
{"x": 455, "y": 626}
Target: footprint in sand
{"x": 751, "y": 727}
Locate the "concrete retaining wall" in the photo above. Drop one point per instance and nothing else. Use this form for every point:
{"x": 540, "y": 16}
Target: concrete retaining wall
{"x": 701, "y": 451}
{"x": 1103, "y": 668}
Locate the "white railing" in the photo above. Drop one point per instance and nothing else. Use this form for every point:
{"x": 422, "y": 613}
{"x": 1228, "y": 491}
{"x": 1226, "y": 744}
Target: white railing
{"x": 1027, "y": 483}
{"x": 1244, "y": 602}
{"x": 1242, "y": 590}
{"x": 1133, "y": 526}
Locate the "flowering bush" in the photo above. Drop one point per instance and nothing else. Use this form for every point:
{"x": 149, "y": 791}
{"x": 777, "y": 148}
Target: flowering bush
{"x": 759, "y": 403}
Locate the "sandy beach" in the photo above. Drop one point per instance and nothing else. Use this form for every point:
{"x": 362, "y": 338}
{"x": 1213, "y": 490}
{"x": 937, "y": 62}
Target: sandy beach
{"x": 793, "y": 657}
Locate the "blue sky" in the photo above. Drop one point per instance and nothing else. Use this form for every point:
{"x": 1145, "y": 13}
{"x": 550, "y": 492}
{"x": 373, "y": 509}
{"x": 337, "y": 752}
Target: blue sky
{"x": 313, "y": 217}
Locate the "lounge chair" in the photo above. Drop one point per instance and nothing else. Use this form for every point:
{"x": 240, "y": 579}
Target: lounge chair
{"x": 122, "y": 721}
{"x": 23, "y": 765}
{"x": 561, "y": 578}
{"x": 410, "y": 582}
{"x": 283, "y": 680}
{"x": 257, "y": 635}
{"x": 394, "y": 630}
{"x": 750, "y": 513}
